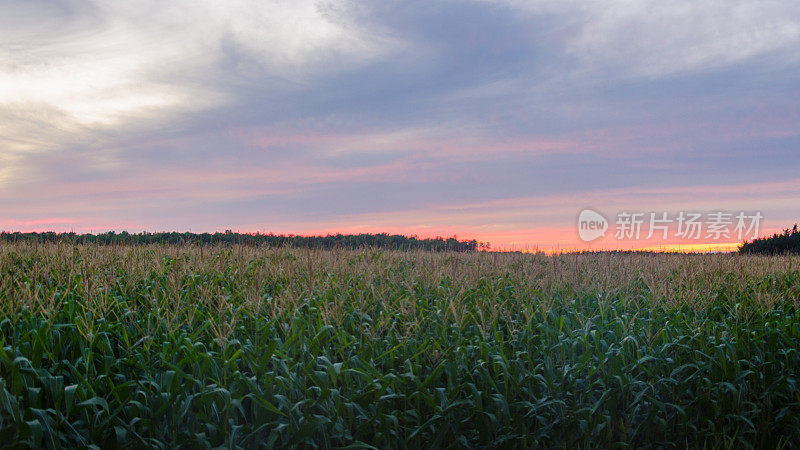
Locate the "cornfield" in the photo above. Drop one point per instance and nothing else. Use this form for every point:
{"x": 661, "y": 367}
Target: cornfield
{"x": 165, "y": 346}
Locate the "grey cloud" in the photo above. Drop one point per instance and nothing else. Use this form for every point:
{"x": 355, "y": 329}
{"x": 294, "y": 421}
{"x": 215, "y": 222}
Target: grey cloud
{"x": 392, "y": 105}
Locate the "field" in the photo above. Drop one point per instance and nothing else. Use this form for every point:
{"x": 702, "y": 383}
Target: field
{"x": 200, "y": 347}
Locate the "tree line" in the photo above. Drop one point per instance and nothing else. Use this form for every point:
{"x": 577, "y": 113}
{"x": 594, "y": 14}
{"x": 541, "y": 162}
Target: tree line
{"x": 786, "y": 242}
{"x": 379, "y": 240}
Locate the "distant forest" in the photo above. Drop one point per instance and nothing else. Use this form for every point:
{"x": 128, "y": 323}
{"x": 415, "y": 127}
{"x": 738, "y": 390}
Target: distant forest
{"x": 381, "y": 240}
{"x": 778, "y": 243}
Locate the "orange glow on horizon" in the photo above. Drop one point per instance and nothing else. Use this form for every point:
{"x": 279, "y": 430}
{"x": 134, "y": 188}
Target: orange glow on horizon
{"x": 719, "y": 247}
{"x": 548, "y": 240}
{"x": 552, "y": 240}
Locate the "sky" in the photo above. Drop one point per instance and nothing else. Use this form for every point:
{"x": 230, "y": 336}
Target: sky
{"x": 491, "y": 120}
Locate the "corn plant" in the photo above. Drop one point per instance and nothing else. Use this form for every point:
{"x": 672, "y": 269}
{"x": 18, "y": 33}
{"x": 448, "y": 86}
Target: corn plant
{"x": 242, "y": 347}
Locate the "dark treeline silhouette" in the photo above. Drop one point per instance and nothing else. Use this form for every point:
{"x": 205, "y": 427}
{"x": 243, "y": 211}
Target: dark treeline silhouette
{"x": 381, "y": 240}
{"x": 778, "y": 243}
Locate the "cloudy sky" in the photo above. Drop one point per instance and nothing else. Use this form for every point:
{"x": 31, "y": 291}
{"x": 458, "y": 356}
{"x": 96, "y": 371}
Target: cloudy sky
{"x": 494, "y": 120}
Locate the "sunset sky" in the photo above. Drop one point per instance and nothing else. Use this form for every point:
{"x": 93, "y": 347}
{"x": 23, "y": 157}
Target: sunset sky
{"x": 493, "y": 120}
